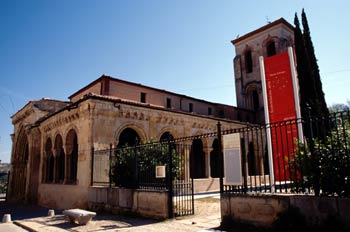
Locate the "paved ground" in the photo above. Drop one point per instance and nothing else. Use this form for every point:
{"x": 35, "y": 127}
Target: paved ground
{"x": 34, "y": 218}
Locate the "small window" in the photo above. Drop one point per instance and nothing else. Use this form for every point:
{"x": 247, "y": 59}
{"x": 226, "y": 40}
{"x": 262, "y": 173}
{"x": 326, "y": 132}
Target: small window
{"x": 190, "y": 107}
{"x": 271, "y": 49}
{"x": 248, "y": 61}
{"x": 221, "y": 113}
{"x": 168, "y": 103}
{"x": 209, "y": 111}
{"x": 143, "y": 97}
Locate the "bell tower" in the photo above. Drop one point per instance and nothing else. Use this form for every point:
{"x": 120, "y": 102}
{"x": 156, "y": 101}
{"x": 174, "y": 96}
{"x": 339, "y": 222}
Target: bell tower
{"x": 271, "y": 39}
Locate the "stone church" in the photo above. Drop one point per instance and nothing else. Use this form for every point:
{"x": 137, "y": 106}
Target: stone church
{"x": 52, "y": 140}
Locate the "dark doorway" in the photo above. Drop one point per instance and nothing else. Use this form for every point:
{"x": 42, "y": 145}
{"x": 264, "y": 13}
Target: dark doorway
{"x": 197, "y": 160}
{"x": 60, "y": 160}
{"x": 214, "y": 160}
{"x": 72, "y": 156}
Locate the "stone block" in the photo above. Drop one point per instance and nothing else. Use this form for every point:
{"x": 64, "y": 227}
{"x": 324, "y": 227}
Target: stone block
{"x": 126, "y": 197}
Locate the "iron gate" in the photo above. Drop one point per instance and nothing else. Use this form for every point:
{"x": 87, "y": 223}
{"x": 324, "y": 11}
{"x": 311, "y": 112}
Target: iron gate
{"x": 182, "y": 185}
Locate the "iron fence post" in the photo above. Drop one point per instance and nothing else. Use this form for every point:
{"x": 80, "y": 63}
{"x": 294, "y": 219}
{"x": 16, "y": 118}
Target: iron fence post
{"x": 110, "y": 166}
{"x": 7, "y": 186}
{"x": 170, "y": 182}
{"x": 221, "y": 160}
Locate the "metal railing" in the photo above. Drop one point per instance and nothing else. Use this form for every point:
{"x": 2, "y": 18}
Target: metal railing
{"x": 308, "y": 156}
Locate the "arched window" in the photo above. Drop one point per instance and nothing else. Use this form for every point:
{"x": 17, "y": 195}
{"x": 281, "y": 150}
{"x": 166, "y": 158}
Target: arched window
{"x": 49, "y": 162}
{"x": 128, "y": 137}
{"x": 248, "y": 61}
{"x": 271, "y": 48}
{"x": 72, "y": 156}
{"x": 197, "y": 160}
{"x": 252, "y": 97}
{"x": 59, "y": 161}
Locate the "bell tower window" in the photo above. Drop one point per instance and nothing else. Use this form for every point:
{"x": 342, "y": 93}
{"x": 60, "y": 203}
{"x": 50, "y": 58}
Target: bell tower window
{"x": 248, "y": 61}
{"x": 271, "y": 48}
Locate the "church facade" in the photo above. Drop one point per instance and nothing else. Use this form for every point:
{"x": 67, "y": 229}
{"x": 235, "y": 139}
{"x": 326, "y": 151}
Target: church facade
{"x": 52, "y": 140}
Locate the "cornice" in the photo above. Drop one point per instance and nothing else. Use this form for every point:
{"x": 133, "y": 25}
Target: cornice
{"x": 60, "y": 120}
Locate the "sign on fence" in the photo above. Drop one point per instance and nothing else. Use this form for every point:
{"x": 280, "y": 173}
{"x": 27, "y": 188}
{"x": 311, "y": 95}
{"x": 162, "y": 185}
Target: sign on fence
{"x": 232, "y": 159}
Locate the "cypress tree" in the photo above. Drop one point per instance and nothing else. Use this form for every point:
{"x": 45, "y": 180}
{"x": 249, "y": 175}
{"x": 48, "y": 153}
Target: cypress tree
{"x": 321, "y": 109}
{"x": 306, "y": 85}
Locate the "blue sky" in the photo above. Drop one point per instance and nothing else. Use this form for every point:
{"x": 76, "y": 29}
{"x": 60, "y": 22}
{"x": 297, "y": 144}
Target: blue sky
{"x": 53, "y": 48}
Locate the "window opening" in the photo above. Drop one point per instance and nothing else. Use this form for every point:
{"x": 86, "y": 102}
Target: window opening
{"x": 271, "y": 49}
{"x": 248, "y": 61}
{"x": 143, "y": 97}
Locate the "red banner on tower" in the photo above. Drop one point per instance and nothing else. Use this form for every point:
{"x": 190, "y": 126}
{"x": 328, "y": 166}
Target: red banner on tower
{"x": 281, "y": 108}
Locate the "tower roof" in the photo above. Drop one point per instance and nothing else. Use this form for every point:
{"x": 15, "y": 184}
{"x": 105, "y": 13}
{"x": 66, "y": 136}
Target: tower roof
{"x": 263, "y": 28}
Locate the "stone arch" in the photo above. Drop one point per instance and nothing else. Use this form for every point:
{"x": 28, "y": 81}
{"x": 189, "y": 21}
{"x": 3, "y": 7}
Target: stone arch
{"x": 69, "y": 128}
{"x": 197, "y": 159}
{"x": 253, "y": 93}
{"x": 166, "y": 135}
{"x": 270, "y": 45}
{"x": 138, "y": 129}
{"x": 49, "y": 162}
{"x": 128, "y": 137}
{"x": 168, "y": 130}
{"x": 59, "y": 159}
{"x": 71, "y": 155}
{"x": 19, "y": 166}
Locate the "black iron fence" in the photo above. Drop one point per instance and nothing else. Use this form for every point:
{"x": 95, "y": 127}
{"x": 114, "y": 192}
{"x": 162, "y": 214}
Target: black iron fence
{"x": 307, "y": 156}
{"x": 154, "y": 166}
{"x": 4, "y": 177}
{"x": 142, "y": 166}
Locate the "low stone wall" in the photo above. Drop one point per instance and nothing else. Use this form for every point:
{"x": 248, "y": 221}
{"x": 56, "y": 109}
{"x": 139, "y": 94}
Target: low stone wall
{"x": 60, "y": 196}
{"x": 206, "y": 185}
{"x": 153, "y": 204}
{"x": 262, "y": 210}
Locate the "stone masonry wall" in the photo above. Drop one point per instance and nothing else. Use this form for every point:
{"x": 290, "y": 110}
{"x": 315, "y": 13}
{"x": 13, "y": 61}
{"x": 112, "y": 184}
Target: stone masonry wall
{"x": 262, "y": 210}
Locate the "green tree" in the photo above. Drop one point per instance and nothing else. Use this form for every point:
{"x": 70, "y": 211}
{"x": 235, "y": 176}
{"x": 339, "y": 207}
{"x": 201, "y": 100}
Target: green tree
{"x": 306, "y": 84}
{"x": 338, "y": 107}
{"x": 320, "y": 102}
{"x": 136, "y": 165}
